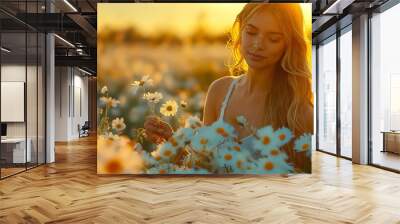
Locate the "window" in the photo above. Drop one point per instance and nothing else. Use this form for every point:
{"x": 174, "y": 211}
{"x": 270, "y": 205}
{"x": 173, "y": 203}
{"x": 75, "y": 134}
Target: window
{"x": 346, "y": 93}
{"x": 327, "y": 96}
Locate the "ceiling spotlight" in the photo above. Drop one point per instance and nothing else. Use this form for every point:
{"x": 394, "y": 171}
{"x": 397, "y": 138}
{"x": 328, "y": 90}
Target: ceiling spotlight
{"x": 337, "y": 7}
{"x": 5, "y": 50}
{"x": 64, "y": 40}
{"x": 84, "y": 71}
{"x": 70, "y": 5}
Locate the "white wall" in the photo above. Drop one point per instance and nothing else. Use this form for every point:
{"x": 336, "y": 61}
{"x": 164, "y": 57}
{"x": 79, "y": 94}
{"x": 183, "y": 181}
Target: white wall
{"x": 71, "y": 93}
{"x": 33, "y": 127}
{"x": 16, "y": 73}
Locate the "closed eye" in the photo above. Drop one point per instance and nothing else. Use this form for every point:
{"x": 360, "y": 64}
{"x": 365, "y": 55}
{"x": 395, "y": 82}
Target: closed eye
{"x": 275, "y": 39}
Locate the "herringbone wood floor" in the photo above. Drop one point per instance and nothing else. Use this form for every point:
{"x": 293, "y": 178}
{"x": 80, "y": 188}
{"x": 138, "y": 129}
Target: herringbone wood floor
{"x": 70, "y": 191}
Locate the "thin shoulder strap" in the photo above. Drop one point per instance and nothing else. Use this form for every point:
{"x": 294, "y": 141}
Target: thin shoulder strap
{"x": 226, "y": 99}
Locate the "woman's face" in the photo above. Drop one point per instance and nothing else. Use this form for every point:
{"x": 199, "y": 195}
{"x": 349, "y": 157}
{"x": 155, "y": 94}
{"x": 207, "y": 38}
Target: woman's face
{"x": 262, "y": 42}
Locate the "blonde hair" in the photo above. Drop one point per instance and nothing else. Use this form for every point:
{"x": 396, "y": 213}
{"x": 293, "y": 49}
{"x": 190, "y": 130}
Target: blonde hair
{"x": 290, "y": 95}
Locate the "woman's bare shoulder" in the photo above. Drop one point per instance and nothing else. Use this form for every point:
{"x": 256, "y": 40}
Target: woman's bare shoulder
{"x": 219, "y": 87}
{"x": 221, "y": 82}
{"x": 215, "y": 95}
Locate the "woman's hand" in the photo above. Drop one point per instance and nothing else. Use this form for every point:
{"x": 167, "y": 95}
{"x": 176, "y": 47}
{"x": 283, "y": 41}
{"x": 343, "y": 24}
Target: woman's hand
{"x": 157, "y": 130}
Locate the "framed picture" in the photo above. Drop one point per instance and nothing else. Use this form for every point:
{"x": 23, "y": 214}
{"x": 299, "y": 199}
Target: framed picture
{"x": 204, "y": 88}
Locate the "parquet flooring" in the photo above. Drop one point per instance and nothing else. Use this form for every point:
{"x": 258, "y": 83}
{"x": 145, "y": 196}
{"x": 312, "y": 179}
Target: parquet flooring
{"x": 70, "y": 191}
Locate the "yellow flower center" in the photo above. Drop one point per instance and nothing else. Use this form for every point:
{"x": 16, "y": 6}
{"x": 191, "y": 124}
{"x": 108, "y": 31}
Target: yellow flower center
{"x": 169, "y": 108}
{"x": 203, "y": 141}
{"x": 228, "y": 157}
{"x": 305, "y": 146}
{"x": 167, "y": 153}
{"x": 114, "y": 166}
{"x": 268, "y": 166}
{"x": 274, "y": 152}
{"x": 282, "y": 137}
{"x": 266, "y": 140}
{"x": 236, "y": 148}
{"x": 222, "y": 132}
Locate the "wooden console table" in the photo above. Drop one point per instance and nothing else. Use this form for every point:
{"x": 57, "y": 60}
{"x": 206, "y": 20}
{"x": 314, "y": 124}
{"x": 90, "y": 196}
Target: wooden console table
{"x": 391, "y": 141}
{"x": 13, "y": 150}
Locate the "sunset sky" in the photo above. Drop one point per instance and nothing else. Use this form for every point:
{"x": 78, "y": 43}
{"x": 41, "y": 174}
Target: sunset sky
{"x": 181, "y": 18}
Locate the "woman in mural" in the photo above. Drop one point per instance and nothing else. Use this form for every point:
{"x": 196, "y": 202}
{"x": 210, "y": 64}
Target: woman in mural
{"x": 270, "y": 82}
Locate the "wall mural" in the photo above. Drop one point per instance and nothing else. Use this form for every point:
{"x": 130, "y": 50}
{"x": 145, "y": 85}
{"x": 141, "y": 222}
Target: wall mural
{"x": 204, "y": 88}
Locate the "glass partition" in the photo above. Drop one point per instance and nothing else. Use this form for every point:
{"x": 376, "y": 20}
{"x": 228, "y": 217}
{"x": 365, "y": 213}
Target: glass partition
{"x": 13, "y": 95}
{"x": 22, "y": 91}
{"x": 385, "y": 89}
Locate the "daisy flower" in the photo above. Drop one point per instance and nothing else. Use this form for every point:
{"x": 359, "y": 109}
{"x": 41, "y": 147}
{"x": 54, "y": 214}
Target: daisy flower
{"x": 152, "y": 97}
{"x": 241, "y": 120}
{"x": 156, "y": 155}
{"x": 113, "y": 102}
{"x": 193, "y": 122}
{"x": 109, "y": 101}
{"x": 183, "y": 104}
{"x": 169, "y": 108}
{"x": 225, "y": 158}
{"x": 104, "y": 90}
{"x": 266, "y": 139}
{"x": 167, "y": 151}
{"x": 104, "y": 99}
{"x": 147, "y": 159}
{"x": 283, "y": 135}
{"x": 145, "y": 80}
{"x": 303, "y": 144}
{"x": 112, "y": 137}
{"x": 266, "y": 166}
{"x": 175, "y": 142}
{"x": 241, "y": 162}
{"x": 205, "y": 140}
{"x": 190, "y": 171}
{"x": 183, "y": 136}
{"x": 223, "y": 129}
{"x": 280, "y": 159}
{"x": 160, "y": 169}
{"x": 118, "y": 124}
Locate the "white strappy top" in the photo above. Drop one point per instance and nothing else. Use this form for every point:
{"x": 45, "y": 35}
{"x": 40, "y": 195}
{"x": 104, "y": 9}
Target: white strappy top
{"x": 246, "y": 140}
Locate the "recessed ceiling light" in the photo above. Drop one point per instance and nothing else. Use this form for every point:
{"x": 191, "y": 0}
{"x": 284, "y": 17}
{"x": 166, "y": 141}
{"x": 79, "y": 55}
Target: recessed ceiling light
{"x": 84, "y": 71}
{"x": 71, "y": 6}
{"x": 5, "y": 50}
{"x": 64, "y": 40}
